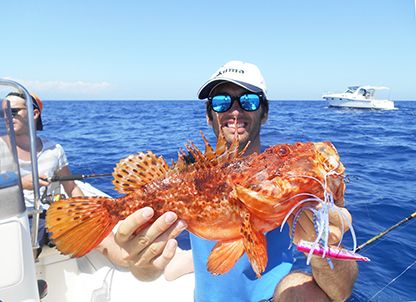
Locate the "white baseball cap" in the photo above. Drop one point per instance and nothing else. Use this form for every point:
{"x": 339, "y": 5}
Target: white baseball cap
{"x": 243, "y": 74}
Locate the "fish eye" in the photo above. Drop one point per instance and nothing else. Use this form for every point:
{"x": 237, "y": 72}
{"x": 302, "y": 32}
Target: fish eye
{"x": 283, "y": 151}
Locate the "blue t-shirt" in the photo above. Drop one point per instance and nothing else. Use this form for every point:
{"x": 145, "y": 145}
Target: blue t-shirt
{"x": 241, "y": 283}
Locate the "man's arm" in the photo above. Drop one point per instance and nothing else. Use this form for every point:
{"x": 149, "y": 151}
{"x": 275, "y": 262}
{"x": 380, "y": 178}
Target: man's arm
{"x": 70, "y": 187}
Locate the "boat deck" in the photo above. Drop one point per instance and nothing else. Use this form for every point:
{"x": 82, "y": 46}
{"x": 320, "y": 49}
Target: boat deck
{"x": 94, "y": 278}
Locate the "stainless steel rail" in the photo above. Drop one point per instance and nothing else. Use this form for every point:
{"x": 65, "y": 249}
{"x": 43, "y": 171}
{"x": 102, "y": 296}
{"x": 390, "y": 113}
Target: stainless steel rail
{"x": 33, "y": 157}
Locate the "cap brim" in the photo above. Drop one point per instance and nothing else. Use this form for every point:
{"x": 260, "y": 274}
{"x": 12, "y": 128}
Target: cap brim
{"x": 204, "y": 91}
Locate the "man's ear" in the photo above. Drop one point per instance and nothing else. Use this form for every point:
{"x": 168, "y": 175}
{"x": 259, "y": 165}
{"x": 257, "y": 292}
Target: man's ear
{"x": 264, "y": 118}
{"x": 36, "y": 113}
{"x": 209, "y": 119}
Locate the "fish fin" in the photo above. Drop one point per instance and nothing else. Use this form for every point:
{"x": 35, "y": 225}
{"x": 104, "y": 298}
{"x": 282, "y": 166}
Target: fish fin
{"x": 211, "y": 157}
{"x": 260, "y": 198}
{"x": 227, "y": 153}
{"x": 209, "y": 151}
{"x": 224, "y": 153}
{"x": 224, "y": 255}
{"x": 221, "y": 146}
{"x": 262, "y": 202}
{"x": 77, "y": 225}
{"x": 135, "y": 171}
{"x": 181, "y": 164}
{"x": 197, "y": 155}
{"x": 255, "y": 245}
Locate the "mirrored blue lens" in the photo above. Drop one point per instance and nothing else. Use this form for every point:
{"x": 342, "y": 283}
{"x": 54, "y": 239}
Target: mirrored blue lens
{"x": 221, "y": 103}
{"x": 250, "y": 101}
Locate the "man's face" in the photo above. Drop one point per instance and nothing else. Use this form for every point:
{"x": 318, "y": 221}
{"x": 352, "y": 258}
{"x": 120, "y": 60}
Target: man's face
{"x": 20, "y": 117}
{"x": 246, "y": 123}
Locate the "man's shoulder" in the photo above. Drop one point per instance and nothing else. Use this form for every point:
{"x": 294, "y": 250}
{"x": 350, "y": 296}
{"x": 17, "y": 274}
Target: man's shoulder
{"x": 3, "y": 143}
{"x": 49, "y": 144}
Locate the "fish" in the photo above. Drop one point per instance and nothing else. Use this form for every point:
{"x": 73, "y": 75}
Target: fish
{"x": 222, "y": 196}
{"x": 330, "y": 252}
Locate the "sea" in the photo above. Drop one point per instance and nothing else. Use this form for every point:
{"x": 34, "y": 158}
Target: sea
{"x": 378, "y": 149}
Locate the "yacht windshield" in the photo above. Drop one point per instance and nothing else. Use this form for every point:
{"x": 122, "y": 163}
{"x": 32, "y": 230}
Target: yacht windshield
{"x": 352, "y": 89}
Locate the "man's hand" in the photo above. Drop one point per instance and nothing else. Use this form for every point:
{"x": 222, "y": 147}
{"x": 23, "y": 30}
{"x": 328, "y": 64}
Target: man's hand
{"x": 339, "y": 221}
{"x": 336, "y": 283}
{"x": 148, "y": 252}
{"x": 27, "y": 182}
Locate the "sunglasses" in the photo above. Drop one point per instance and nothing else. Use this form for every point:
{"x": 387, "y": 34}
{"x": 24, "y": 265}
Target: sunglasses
{"x": 15, "y": 111}
{"x": 223, "y": 102}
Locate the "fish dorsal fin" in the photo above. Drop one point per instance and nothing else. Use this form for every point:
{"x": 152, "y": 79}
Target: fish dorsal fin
{"x": 197, "y": 155}
{"x": 135, "y": 171}
{"x": 222, "y": 153}
{"x": 209, "y": 151}
{"x": 181, "y": 163}
{"x": 211, "y": 157}
{"x": 231, "y": 152}
{"x": 221, "y": 146}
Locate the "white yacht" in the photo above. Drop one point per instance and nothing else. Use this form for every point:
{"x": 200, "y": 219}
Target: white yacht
{"x": 363, "y": 97}
{"x": 52, "y": 276}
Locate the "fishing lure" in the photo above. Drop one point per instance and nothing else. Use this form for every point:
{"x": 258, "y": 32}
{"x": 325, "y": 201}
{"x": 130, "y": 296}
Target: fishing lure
{"x": 329, "y": 252}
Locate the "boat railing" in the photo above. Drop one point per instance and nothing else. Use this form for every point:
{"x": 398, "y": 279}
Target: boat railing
{"x": 17, "y": 273}
{"x": 33, "y": 158}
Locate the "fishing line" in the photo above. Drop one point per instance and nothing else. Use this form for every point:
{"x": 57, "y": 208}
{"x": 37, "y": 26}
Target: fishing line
{"x": 393, "y": 280}
{"x": 103, "y": 294}
{"x": 380, "y": 235}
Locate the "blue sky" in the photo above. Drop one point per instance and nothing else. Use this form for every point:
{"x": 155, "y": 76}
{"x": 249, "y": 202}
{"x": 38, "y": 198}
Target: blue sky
{"x": 168, "y": 49}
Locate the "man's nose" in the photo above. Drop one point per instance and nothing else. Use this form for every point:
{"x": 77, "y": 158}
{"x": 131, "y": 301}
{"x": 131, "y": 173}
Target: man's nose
{"x": 235, "y": 108}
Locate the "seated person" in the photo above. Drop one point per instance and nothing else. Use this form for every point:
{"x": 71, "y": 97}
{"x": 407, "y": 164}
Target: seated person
{"x": 51, "y": 156}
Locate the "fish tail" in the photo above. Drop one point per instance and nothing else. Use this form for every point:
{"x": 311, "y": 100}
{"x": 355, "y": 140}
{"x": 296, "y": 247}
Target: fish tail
{"x": 77, "y": 225}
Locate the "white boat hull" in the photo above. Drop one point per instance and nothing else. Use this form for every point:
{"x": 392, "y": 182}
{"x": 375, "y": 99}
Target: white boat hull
{"x": 93, "y": 278}
{"x": 17, "y": 273}
{"x": 361, "y": 104}
{"x": 362, "y": 97}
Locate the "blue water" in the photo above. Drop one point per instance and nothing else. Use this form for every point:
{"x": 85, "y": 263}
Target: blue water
{"x": 378, "y": 149}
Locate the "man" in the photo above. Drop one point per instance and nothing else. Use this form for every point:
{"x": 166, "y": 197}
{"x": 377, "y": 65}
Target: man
{"x": 51, "y": 156}
{"x": 237, "y": 102}
{"x": 51, "y": 161}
